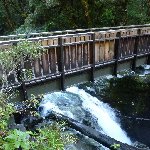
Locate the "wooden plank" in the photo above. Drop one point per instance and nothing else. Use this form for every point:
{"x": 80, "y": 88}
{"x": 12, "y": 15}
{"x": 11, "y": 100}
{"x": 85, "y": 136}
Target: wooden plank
{"x": 50, "y": 42}
{"x": 52, "y": 59}
{"x": 45, "y": 63}
{"x": 131, "y": 45}
{"x": 146, "y": 43}
{"x": 37, "y": 67}
{"x": 85, "y": 54}
{"x": 140, "y": 45}
{"x": 106, "y": 57}
{"x": 55, "y": 41}
{"x": 102, "y": 51}
{"x": 121, "y": 44}
{"x": 128, "y": 46}
{"x": 44, "y": 42}
{"x": 79, "y": 55}
{"x": 67, "y": 57}
{"x": 97, "y": 50}
{"x": 73, "y": 56}
{"x": 111, "y": 49}
{"x": 125, "y": 47}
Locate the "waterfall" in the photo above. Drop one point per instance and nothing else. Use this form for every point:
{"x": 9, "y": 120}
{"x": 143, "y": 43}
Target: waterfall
{"x": 76, "y": 103}
{"x": 104, "y": 114}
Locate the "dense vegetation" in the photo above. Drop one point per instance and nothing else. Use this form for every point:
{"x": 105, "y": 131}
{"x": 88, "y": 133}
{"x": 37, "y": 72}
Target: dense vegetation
{"x": 20, "y": 135}
{"x": 21, "y": 16}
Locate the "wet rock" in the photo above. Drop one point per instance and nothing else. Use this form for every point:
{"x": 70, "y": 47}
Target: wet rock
{"x": 13, "y": 125}
{"x": 84, "y": 143}
{"x": 141, "y": 146}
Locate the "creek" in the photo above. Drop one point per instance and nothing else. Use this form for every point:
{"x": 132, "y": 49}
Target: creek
{"x": 116, "y": 107}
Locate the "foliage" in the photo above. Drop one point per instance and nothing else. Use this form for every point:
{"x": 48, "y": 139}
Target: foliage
{"x": 48, "y": 137}
{"x": 16, "y": 54}
{"x": 138, "y": 17}
{"x": 115, "y": 146}
{"x": 130, "y": 92}
{"x": 6, "y": 109}
{"x": 13, "y": 59}
{"x": 26, "y": 16}
{"x": 52, "y": 138}
{"x": 17, "y": 139}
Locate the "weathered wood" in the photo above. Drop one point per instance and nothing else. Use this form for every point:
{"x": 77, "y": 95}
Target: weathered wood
{"x": 67, "y": 57}
{"x": 97, "y": 52}
{"x": 92, "y": 56}
{"x": 102, "y": 51}
{"x": 79, "y": 55}
{"x": 77, "y": 51}
{"x": 135, "y": 50}
{"x": 73, "y": 56}
{"x": 37, "y": 67}
{"x": 45, "y": 63}
{"x": 60, "y": 61}
{"x": 85, "y": 54}
{"x": 52, "y": 59}
{"x": 106, "y": 51}
{"x": 111, "y": 49}
{"x": 90, "y": 132}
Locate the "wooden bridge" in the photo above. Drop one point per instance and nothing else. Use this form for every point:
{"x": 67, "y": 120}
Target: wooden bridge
{"x": 75, "y": 56}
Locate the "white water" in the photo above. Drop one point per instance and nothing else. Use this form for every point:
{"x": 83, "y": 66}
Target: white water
{"x": 105, "y": 115}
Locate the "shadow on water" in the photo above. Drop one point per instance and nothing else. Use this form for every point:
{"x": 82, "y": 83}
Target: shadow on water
{"x": 130, "y": 96}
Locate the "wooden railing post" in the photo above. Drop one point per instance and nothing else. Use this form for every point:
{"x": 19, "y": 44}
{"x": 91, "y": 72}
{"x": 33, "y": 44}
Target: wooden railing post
{"x": 135, "y": 52}
{"x": 60, "y": 61}
{"x": 92, "y": 56}
{"x": 116, "y": 52}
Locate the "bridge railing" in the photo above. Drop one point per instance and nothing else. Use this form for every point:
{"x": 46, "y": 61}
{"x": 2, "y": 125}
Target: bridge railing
{"x": 75, "y": 31}
{"x": 76, "y": 52}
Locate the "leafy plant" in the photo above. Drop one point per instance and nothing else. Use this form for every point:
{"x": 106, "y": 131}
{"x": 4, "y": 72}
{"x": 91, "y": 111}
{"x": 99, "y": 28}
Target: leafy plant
{"x": 17, "y": 139}
{"x": 6, "y": 109}
{"x": 115, "y": 146}
{"x": 12, "y": 57}
{"x": 53, "y": 138}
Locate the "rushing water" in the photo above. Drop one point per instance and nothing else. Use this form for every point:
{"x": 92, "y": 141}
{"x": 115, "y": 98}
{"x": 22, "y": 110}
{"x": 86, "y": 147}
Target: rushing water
{"x": 81, "y": 106}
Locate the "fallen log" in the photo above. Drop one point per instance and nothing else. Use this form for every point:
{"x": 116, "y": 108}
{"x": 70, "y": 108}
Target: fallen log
{"x": 90, "y": 132}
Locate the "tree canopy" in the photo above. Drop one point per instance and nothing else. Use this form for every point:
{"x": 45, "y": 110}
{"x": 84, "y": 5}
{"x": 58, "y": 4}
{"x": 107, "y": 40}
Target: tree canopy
{"x": 23, "y": 16}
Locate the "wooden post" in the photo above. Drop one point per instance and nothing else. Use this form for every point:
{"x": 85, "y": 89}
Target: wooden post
{"x": 135, "y": 49}
{"x": 60, "y": 60}
{"x": 116, "y": 52}
{"x": 92, "y": 56}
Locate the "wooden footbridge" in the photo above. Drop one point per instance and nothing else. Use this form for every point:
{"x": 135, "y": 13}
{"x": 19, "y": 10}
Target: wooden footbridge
{"x": 74, "y": 56}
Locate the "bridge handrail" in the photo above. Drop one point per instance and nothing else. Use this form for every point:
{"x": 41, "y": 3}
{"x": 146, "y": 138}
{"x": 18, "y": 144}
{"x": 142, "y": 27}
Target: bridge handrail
{"x": 44, "y": 34}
